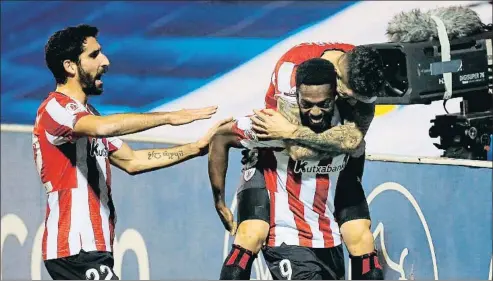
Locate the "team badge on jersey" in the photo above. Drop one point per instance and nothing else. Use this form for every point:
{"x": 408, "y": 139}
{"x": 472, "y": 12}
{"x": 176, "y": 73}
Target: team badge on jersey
{"x": 73, "y": 108}
{"x": 248, "y": 174}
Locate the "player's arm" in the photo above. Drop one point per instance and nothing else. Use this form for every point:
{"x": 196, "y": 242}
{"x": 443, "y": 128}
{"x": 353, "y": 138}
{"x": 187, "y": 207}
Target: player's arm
{"x": 221, "y": 142}
{"x": 238, "y": 134}
{"x": 141, "y": 161}
{"x": 128, "y": 123}
{"x": 224, "y": 138}
{"x": 362, "y": 115}
{"x": 347, "y": 138}
{"x": 360, "y": 120}
{"x": 270, "y": 124}
{"x": 300, "y": 152}
{"x": 339, "y": 139}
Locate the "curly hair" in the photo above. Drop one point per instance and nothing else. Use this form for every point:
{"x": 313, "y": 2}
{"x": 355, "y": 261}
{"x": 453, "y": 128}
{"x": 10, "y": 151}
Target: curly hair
{"x": 365, "y": 71}
{"x": 315, "y": 71}
{"x": 66, "y": 44}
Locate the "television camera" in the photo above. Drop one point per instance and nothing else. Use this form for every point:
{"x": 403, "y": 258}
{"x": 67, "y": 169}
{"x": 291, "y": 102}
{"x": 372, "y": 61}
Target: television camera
{"x": 416, "y": 73}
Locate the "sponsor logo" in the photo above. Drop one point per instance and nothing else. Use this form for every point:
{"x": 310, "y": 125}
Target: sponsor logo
{"x": 98, "y": 149}
{"x": 305, "y": 167}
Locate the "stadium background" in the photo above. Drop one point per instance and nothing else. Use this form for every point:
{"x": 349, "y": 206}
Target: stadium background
{"x": 178, "y": 54}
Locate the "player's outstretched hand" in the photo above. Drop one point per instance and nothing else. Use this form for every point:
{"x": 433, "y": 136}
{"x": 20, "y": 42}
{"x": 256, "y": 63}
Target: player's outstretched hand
{"x": 203, "y": 143}
{"x": 185, "y": 116}
{"x": 226, "y": 218}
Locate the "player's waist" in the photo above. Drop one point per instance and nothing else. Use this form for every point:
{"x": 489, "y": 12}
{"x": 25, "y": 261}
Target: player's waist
{"x": 298, "y": 237}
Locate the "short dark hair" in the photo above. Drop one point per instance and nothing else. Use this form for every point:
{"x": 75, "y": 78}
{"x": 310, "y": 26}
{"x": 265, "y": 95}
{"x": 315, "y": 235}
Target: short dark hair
{"x": 316, "y": 71}
{"x": 365, "y": 71}
{"x": 66, "y": 44}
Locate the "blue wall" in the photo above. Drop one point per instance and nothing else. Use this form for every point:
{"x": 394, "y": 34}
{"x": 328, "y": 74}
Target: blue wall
{"x": 160, "y": 53}
{"x": 172, "y": 211}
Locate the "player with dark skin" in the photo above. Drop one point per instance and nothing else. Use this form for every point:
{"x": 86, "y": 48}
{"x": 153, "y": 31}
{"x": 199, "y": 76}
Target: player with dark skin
{"x": 304, "y": 144}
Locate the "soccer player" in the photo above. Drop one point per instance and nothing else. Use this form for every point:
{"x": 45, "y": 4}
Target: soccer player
{"x": 359, "y": 79}
{"x": 73, "y": 148}
{"x": 303, "y": 238}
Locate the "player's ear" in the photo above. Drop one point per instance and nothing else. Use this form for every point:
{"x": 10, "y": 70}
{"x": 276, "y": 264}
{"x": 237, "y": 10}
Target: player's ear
{"x": 70, "y": 67}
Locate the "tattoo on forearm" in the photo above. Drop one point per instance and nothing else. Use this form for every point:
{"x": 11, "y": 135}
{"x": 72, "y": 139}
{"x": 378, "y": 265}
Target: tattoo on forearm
{"x": 341, "y": 139}
{"x": 304, "y": 153}
{"x": 161, "y": 154}
{"x": 289, "y": 111}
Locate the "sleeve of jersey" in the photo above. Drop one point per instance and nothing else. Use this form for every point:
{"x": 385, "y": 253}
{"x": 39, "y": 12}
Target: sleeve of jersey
{"x": 59, "y": 120}
{"x": 270, "y": 99}
{"x": 114, "y": 144}
{"x": 248, "y": 138}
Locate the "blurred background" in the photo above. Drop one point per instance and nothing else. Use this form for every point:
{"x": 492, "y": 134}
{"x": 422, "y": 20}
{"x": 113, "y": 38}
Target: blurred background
{"x": 181, "y": 54}
{"x": 169, "y": 55}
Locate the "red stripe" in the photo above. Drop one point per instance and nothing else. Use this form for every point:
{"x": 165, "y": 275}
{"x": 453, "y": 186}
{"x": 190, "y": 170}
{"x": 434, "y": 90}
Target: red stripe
{"x": 293, "y": 186}
{"x": 244, "y": 260}
{"x": 45, "y": 234}
{"x": 233, "y": 257}
{"x": 62, "y": 99}
{"x": 320, "y": 203}
{"x": 111, "y": 146}
{"x": 366, "y": 265}
{"x": 53, "y": 127}
{"x": 112, "y": 211}
{"x": 270, "y": 100}
{"x": 377, "y": 264}
{"x": 240, "y": 134}
{"x": 65, "y": 207}
{"x": 270, "y": 175}
{"x": 112, "y": 233}
{"x": 108, "y": 176}
{"x": 272, "y": 230}
{"x": 95, "y": 216}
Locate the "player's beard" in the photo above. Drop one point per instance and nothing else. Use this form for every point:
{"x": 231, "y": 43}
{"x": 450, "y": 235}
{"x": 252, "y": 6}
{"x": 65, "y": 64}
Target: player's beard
{"x": 318, "y": 127}
{"x": 88, "y": 83}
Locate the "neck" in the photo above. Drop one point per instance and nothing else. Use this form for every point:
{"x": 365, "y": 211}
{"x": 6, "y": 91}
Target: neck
{"x": 334, "y": 57}
{"x": 73, "y": 90}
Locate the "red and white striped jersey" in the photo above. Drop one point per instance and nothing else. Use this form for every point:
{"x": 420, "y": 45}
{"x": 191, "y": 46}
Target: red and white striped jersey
{"x": 284, "y": 74}
{"x": 75, "y": 172}
{"x": 301, "y": 192}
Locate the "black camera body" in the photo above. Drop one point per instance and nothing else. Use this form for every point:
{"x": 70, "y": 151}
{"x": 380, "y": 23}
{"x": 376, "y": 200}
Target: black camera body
{"x": 414, "y": 74}
{"x": 414, "y": 71}
{"x": 463, "y": 136}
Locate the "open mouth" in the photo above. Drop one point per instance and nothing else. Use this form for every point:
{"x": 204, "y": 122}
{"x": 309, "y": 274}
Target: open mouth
{"x": 98, "y": 81}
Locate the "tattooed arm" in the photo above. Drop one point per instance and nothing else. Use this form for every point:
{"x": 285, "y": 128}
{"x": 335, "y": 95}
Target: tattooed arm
{"x": 296, "y": 150}
{"x": 303, "y": 143}
{"x": 141, "y": 161}
{"x": 339, "y": 139}
{"x": 136, "y": 162}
